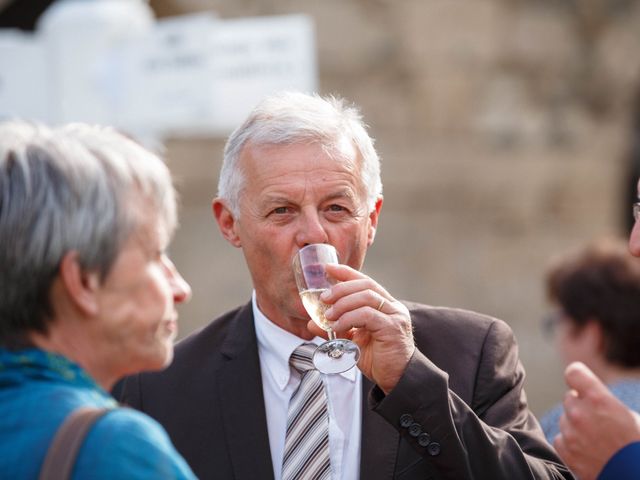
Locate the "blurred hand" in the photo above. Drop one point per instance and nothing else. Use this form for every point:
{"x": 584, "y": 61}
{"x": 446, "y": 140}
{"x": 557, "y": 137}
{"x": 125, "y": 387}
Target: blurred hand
{"x": 595, "y": 424}
{"x": 381, "y": 326}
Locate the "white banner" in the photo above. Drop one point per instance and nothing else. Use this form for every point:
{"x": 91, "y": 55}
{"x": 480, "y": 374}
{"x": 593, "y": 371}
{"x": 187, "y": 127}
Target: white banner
{"x": 25, "y": 85}
{"x": 189, "y": 75}
{"x": 254, "y": 57}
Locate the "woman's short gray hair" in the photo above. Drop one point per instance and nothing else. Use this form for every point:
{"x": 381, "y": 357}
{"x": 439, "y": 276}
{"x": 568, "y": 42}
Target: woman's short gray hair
{"x": 290, "y": 118}
{"x": 74, "y": 188}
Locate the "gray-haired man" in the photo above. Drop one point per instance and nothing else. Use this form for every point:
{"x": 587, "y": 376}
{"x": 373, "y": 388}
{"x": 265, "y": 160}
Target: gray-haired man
{"x": 438, "y": 393}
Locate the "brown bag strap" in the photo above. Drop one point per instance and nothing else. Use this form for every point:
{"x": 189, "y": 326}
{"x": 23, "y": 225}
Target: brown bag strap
{"x": 62, "y": 453}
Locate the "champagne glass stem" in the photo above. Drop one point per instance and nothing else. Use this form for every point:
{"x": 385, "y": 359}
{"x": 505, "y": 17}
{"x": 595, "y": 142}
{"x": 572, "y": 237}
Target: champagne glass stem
{"x": 335, "y": 351}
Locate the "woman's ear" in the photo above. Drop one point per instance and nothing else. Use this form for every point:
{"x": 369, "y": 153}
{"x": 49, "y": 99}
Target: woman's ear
{"x": 81, "y": 286}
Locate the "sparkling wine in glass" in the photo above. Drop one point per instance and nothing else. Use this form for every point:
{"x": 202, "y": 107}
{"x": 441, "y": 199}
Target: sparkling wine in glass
{"x": 337, "y": 354}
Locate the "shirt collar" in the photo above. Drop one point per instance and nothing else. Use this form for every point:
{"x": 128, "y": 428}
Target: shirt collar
{"x": 276, "y": 345}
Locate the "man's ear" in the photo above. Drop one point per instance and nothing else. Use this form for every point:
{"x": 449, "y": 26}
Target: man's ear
{"x": 81, "y": 286}
{"x": 227, "y": 223}
{"x": 373, "y": 220}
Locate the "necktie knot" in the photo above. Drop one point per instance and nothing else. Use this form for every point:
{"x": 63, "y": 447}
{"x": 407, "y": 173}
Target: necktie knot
{"x": 302, "y": 358}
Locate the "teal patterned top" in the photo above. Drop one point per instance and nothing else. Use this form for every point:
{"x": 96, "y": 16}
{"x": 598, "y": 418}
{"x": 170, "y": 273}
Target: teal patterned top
{"x": 39, "y": 389}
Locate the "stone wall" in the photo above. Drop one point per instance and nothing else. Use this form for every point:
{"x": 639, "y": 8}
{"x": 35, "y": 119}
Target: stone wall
{"x": 503, "y": 126}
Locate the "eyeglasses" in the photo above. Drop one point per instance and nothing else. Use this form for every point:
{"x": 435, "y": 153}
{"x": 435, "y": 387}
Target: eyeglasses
{"x": 550, "y": 323}
{"x": 636, "y": 211}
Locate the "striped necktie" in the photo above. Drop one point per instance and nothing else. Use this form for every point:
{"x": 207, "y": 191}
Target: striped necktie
{"x": 306, "y": 445}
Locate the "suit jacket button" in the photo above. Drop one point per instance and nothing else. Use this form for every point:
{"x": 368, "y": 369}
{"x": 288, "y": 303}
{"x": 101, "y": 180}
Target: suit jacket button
{"x": 415, "y": 429}
{"x": 434, "y": 449}
{"x": 424, "y": 439}
{"x": 406, "y": 420}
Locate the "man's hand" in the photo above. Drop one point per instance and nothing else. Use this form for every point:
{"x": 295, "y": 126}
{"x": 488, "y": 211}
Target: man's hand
{"x": 381, "y": 326}
{"x": 594, "y": 425}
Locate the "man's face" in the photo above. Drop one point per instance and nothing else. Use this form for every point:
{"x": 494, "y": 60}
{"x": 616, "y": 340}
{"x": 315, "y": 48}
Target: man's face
{"x": 295, "y": 195}
{"x": 137, "y": 300}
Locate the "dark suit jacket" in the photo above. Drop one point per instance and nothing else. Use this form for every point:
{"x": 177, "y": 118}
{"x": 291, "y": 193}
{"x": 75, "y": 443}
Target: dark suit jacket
{"x": 458, "y": 412}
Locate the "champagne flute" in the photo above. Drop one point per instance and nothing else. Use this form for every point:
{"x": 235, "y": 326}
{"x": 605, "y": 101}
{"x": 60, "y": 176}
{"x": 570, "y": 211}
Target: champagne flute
{"x": 337, "y": 354}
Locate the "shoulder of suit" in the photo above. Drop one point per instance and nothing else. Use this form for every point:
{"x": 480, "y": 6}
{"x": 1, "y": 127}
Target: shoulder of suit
{"x": 450, "y": 316}
{"x": 439, "y": 330}
{"x": 216, "y": 329}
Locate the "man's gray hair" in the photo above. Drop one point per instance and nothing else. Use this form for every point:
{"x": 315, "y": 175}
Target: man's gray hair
{"x": 75, "y": 188}
{"x": 291, "y": 118}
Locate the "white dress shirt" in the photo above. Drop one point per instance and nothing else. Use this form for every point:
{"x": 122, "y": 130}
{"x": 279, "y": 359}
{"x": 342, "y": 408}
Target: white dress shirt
{"x": 279, "y": 381}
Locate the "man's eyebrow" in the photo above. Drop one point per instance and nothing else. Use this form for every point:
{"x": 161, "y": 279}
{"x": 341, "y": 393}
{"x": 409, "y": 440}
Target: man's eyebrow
{"x": 345, "y": 193}
{"x": 276, "y": 199}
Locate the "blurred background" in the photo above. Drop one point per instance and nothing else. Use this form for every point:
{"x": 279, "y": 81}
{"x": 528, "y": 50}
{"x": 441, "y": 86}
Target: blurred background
{"x": 508, "y": 130}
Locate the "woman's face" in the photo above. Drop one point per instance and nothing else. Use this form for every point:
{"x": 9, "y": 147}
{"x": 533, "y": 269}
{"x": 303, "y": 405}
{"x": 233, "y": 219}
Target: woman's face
{"x": 576, "y": 342}
{"x": 138, "y": 301}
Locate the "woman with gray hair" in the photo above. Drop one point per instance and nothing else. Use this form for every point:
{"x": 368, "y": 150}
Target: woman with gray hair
{"x": 88, "y": 296}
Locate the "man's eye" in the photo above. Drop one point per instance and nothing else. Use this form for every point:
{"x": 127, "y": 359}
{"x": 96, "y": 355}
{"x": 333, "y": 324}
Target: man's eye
{"x": 281, "y": 210}
{"x": 336, "y": 208}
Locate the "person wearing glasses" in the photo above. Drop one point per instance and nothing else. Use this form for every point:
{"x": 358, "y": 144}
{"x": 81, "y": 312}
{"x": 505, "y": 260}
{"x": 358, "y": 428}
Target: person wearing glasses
{"x": 600, "y": 436}
{"x": 595, "y": 292}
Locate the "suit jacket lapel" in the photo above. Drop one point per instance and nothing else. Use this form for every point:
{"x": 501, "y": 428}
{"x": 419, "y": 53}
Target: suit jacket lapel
{"x": 379, "y": 442}
{"x": 242, "y": 401}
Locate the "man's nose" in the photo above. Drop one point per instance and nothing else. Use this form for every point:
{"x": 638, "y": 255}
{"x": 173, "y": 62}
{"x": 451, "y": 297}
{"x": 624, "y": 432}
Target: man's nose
{"x": 311, "y": 230}
{"x": 634, "y": 240}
